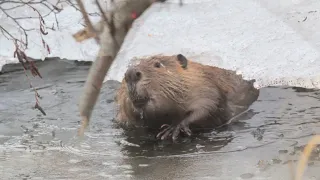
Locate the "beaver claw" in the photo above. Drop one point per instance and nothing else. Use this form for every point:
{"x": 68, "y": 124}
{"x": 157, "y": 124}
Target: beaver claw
{"x": 174, "y": 131}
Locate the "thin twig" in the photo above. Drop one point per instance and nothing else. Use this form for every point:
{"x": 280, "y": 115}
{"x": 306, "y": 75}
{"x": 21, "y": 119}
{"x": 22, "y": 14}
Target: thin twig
{"x": 110, "y": 24}
{"x": 53, "y": 8}
{"x": 86, "y": 19}
{"x": 22, "y": 44}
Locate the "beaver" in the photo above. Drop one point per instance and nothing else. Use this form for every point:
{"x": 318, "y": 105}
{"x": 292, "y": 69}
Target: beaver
{"x": 175, "y": 94}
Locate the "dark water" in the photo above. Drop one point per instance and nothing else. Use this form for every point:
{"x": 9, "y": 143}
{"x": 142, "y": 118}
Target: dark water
{"x": 33, "y": 146}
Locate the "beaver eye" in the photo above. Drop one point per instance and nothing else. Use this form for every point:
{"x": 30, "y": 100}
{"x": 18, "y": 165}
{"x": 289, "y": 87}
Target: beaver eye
{"x": 157, "y": 65}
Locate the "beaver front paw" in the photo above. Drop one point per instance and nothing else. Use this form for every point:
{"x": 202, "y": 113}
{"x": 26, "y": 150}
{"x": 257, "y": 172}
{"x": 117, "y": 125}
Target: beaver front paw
{"x": 174, "y": 131}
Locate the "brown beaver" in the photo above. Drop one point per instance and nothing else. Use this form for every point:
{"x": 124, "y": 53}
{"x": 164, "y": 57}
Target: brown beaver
{"x": 181, "y": 94}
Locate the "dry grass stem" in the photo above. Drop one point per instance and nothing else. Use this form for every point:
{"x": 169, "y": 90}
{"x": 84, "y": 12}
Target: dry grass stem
{"x": 305, "y": 156}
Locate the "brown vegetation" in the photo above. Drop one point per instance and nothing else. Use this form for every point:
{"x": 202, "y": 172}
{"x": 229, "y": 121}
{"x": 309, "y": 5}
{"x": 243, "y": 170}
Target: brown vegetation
{"x": 6, "y": 7}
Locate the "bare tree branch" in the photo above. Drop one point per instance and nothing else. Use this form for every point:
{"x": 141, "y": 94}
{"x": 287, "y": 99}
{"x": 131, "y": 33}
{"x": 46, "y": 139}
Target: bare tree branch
{"x": 110, "y": 33}
{"x": 24, "y": 60}
{"x": 8, "y": 8}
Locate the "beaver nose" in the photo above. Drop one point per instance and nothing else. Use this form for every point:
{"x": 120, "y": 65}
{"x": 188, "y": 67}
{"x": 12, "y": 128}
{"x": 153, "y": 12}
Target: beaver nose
{"x": 133, "y": 75}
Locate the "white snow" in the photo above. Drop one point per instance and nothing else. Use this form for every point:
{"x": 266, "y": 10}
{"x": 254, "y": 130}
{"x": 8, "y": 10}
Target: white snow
{"x": 257, "y": 38}
{"x": 60, "y": 41}
{"x": 268, "y": 40}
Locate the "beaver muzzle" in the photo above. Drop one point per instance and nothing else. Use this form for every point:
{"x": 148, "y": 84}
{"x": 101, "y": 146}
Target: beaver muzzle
{"x": 133, "y": 75}
{"x": 138, "y": 97}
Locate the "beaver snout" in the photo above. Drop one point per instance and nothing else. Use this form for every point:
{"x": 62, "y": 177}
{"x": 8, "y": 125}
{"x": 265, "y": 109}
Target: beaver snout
{"x": 133, "y": 75}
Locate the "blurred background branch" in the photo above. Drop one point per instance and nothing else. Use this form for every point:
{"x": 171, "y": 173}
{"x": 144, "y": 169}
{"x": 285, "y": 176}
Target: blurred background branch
{"x": 116, "y": 18}
{"x": 109, "y": 32}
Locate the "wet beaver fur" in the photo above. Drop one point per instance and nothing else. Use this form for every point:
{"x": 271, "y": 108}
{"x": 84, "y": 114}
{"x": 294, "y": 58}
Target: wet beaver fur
{"x": 177, "y": 95}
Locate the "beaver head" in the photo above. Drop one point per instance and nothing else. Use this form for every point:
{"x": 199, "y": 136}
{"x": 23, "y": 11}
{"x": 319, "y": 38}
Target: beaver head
{"x": 156, "y": 79}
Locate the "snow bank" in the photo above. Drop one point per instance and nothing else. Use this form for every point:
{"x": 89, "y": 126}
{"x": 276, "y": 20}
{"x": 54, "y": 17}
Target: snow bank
{"x": 269, "y": 40}
{"x": 60, "y": 41}
{"x": 249, "y": 37}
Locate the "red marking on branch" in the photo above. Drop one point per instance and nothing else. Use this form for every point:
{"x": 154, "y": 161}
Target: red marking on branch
{"x": 134, "y": 15}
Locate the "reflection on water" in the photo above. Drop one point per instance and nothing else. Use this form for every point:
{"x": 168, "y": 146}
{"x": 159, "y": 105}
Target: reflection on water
{"x": 258, "y": 145}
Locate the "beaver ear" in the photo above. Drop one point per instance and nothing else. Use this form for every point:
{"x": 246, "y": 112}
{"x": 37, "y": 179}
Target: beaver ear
{"x": 183, "y": 61}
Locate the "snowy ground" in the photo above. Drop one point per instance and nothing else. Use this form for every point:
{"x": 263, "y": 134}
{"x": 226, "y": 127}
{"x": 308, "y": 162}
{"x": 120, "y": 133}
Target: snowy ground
{"x": 273, "y": 41}
{"x": 60, "y": 41}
